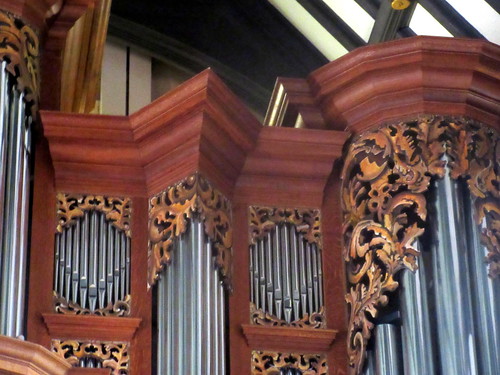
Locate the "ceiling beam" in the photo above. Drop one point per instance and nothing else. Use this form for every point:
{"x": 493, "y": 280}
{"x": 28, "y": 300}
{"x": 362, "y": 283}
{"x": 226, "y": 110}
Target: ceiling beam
{"x": 389, "y": 22}
{"x": 333, "y": 23}
{"x": 495, "y": 4}
{"x": 451, "y": 20}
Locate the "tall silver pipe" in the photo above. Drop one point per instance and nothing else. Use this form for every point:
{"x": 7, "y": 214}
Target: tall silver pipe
{"x": 294, "y": 258}
{"x": 199, "y": 245}
{"x": 62, "y": 263}
{"x": 262, "y": 274}
{"x": 302, "y": 274}
{"x": 93, "y": 260}
{"x": 123, "y": 265}
{"x": 180, "y": 313}
{"x": 56, "y": 261}
{"x": 268, "y": 243}
{"x": 417, "y": 341}
{"x": 163, "y": 312}
{"x": 76, "y": 260}
{"x": 222, "y": 335}
{"x": 314, "y": 261}
{"x": 110, "y": 262}
{"x": 103, "y": 236}
{"x": 387, "y": 359}
{"x": 128, "y": 264}
{"x": 309, "y": 275}
{"x": 4, "y": 127}
{"x": 278, "y": 291}
{"x": 214, "y": 312}
{"x": 320, "y": 275}
{"x": 256, "y": 276}
{"x": 67, "y": 267}
{"x": 84, "y": 256}
{"x": 208, "y": 296}
{"x": 116, "y": 268}
{"x": 287, "y": 293}
{"x": 455, "y": 324}
{"x": 485, "y": 296}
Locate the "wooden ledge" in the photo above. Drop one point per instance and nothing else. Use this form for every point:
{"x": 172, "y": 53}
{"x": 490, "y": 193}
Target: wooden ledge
{"x": 89, "y": 371}
{"x": 88, "y": 327}
{"x": 289, "y": 339}
{"x": 23, "y": 357}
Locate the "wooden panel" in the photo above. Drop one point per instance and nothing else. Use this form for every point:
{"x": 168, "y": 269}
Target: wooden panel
{"x": 303, "y": 340}
{"x": 91, "y": 327}
{"x": 22, "y": 357}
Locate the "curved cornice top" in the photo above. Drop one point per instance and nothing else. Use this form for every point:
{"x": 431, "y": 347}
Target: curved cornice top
{"x": 391, "y": 81}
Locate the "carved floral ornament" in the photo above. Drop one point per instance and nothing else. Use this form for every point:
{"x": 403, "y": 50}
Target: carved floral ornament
{"x": 111, "y": 355}
{"x": 270, "y": 363}
{"x": 118, "y": 308}
{"x": 315, "y": 320}
{"x": 71, "y": 207}
{"x": 19, "y": 46}
{"x": 169, "y": 212}
{"x": 385, "y": 176}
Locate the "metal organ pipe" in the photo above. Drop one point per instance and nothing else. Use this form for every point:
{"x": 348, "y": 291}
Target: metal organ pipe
{"x": 92, "y": 259}
{"x": 191, "y": 308}
{"x": 286, "y": 274}
{"x": 15, "y": 144}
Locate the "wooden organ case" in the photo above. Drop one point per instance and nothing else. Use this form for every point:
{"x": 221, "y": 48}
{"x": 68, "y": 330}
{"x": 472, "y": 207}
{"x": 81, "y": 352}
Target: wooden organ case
{"x": 191, "y": 197}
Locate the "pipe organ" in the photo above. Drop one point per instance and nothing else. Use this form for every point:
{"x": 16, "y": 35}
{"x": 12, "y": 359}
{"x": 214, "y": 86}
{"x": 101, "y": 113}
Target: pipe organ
{"x": 92, "y": 255}
{"x": 15, "y": 170}
{"x": 227, "y": 272}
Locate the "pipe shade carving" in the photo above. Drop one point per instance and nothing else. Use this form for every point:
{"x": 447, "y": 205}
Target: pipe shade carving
{"x": 385, "y": 176}
{"x": 270, "y": 363}
{"x": 314, "y": 320}
{"x": 264, "y": 219}
{"x": 109, "y": 355}
{"x": 70, "y": 207}
{"x": 19, "y": 45}
{"x": 168, "y": 215}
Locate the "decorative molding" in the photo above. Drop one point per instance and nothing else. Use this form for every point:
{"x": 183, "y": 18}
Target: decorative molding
{"x": 112, "y": 355}
{"x": 117, "y": 210}
{"x": 91, "y": 327}
{"x": 289, "y": 338}
{"x": 306, "y": 221}
{"x": 386, "y": 173}
{"x": 168, "y": 215}
{"x": 119, "y": 308}
{"x": 260, "y": 317}
{"x": 19, "y": 46}
{"x": 269, "y": 363}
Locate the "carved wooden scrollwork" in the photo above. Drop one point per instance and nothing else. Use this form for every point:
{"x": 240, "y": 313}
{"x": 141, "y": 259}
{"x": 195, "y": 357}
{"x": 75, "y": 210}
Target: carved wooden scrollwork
{"x": 385, "y": 176}
{"x": 118, "y": 308}
{"x": 265, "y": 219}
{"x": 111, "y": 355}
{"x": 314, "y": 320}
{"x": 168, "y": 215}
{"x": 270, "y": 363}
{"x": 19, "y": 46}
{"x": 70, "y": 207}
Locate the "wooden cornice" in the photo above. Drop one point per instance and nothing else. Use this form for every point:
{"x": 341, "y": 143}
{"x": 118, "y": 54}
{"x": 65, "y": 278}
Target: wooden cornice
{"x": 23, "y": 357}
{"x": 200, "y": 126}
{"x": 305, "y": 340}
{"x": 91, "y": 327}
{"x": 290, "y": 166}
{"x": 404, "y": 78}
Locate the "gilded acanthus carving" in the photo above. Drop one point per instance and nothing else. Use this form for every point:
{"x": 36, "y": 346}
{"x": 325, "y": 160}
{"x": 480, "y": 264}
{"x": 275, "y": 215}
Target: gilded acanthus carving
{"x": 19, "y": 46}
{"x": 385, "y": 176}
{"x": 70, "y": 207}
{"x": 168, "y": 218}
{"x": 314, "y": 320}
{"x": 111, "y": 355}
{"x": 118, "y": 308}
{"x": 270, "y": 363}
{"x": 265, "y": 219}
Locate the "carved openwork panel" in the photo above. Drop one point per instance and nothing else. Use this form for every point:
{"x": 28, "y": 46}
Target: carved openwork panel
{"x": 92, "y": 255}
{"x": 286, "y": 276}
{"x": 385, "y": 176}
{"x": 169, "y": 213}
{"x": 19, "y": 45}
{"x": 110, "y": 355}
{"x": 271, "y": 363}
